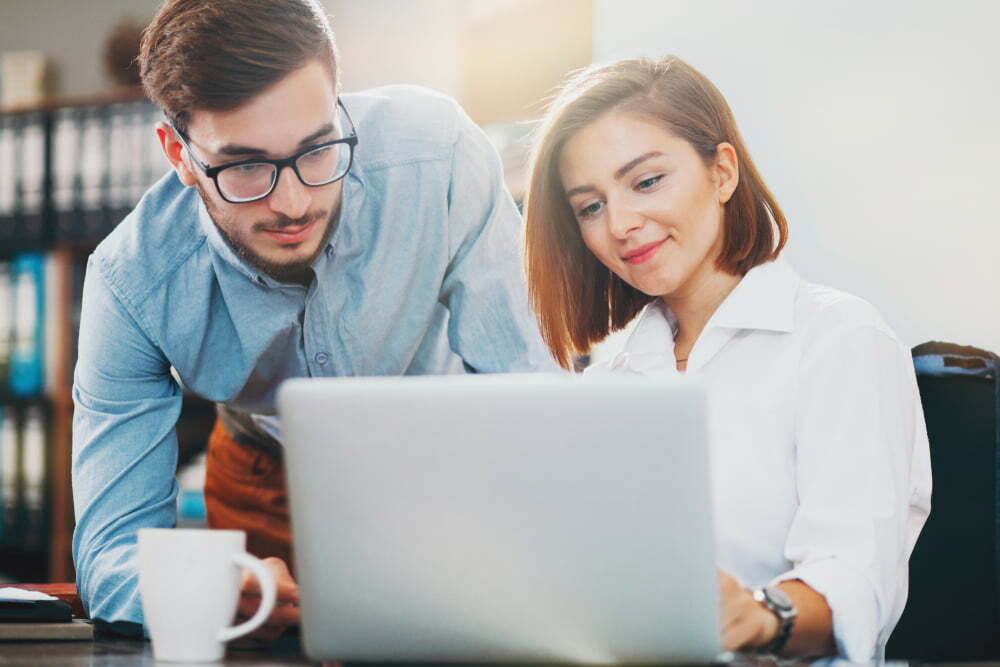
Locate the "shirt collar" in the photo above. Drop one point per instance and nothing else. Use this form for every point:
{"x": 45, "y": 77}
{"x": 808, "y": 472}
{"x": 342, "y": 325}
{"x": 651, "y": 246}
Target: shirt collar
{"x": 764, "y": 299}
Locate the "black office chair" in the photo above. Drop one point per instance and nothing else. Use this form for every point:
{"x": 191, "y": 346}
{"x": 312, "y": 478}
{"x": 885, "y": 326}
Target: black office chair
{"x": 952, "y": 612}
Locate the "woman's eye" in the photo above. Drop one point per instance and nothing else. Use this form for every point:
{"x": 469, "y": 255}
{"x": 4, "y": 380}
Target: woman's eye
{"x": 589, "y": 210}
{"x": 647, "y": 183}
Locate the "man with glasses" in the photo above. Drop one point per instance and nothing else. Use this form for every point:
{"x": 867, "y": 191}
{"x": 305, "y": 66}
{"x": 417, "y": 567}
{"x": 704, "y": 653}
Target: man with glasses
{"x": 300, "y": 233}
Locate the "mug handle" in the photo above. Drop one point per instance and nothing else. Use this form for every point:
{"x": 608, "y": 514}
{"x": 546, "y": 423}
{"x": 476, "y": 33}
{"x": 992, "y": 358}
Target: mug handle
{"x": 268, "y": 594}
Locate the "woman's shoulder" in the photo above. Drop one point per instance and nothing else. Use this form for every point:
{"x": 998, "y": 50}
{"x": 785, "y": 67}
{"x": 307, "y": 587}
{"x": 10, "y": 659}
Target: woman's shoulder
{"x": 825, "y": 312}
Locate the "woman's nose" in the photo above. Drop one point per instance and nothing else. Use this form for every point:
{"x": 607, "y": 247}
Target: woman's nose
{"x": 622, "y": 220}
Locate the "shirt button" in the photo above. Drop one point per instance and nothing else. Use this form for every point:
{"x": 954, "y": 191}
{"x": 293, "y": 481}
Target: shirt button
{"x": 321, "y": 357}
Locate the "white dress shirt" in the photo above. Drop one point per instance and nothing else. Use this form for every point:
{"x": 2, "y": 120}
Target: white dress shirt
{"x": 820, "y": 461}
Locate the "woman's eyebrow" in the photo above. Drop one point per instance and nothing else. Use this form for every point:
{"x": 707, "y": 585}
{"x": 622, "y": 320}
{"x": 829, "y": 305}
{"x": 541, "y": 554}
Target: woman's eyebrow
{"x": 580, "y": 189}
{"x": 619, "y": 173}
{"x": 632, "y": 164}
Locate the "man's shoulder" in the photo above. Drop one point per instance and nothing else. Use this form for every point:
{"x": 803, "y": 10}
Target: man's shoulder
{"x": 402, "y": 124}
{"x": 156, "y": 238}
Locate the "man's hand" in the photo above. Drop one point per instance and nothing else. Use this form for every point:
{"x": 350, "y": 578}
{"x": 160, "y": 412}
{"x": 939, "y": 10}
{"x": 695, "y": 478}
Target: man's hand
{"x": 286, "y": 606}
{"x": 746, "y": 624}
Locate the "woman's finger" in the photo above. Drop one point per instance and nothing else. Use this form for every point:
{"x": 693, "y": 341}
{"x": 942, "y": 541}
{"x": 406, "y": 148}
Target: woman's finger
{"x": 738, "y": 635}
{"x": 248, "y": 606}
{"x": 287, "y": 589}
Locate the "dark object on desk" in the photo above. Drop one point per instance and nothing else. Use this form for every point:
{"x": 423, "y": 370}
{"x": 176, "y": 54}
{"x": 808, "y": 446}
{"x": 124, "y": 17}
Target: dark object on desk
{"x": 64, "y": 591}
{"x": 952, "y": 612}
{"x": 35, "y": 620}
{"x": 49, "y": 611}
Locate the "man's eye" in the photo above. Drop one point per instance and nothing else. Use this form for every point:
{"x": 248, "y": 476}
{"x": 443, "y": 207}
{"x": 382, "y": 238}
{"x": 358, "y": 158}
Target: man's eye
{"x": 647, "y": 183}
{"x": 249, "y": 169}
{"x": 318, "y": 154}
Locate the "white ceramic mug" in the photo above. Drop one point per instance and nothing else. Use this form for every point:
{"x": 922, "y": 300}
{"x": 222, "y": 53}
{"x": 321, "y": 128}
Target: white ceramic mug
{"x": 189, "y": 580}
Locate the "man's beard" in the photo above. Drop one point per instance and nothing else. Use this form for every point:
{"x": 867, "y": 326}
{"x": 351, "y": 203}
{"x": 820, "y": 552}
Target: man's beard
{"x": 288, "y": 272}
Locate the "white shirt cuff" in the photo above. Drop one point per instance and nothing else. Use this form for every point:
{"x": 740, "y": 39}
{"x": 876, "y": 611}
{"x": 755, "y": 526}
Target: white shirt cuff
{"x": 853, "y": 603}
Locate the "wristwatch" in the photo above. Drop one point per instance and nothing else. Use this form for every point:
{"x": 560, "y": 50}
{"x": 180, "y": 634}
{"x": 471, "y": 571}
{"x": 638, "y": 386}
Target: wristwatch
{"x": 781, "y": 606}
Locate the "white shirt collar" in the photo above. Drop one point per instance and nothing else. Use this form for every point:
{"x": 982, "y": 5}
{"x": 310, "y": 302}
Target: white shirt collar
{"x": 764, "y": 300}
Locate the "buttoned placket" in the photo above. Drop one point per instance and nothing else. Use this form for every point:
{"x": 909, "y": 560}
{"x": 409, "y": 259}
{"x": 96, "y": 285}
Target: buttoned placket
{"x": 317, "y": 323}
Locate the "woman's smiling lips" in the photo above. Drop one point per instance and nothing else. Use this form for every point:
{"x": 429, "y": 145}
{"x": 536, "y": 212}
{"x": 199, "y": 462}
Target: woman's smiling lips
{"x": 643, "y": 253}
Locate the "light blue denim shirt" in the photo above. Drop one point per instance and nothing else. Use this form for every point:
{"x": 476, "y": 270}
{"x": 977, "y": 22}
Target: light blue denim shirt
{"x": 422, "y": 274}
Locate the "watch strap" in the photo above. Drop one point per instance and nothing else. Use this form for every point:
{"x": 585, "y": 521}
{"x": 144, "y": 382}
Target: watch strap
{"x": 786, "y": 620}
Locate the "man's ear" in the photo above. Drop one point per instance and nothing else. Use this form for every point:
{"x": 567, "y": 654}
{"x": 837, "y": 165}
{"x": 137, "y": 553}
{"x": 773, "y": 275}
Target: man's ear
{"x": 172, "y": 148}
{"x": 727, "y": 171}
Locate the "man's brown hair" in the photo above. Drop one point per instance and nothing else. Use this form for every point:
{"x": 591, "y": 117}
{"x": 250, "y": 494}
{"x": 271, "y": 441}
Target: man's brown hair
{"x": 578, "y": 301}
{"x": 216, "y": 55}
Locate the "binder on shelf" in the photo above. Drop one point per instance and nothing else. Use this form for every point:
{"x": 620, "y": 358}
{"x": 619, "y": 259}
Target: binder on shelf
{"x": 32, "y": 161}
{"x": 26, "y": 377}
{"x": 34, "y": 534}
{"x": 9, "y": 477}
{"x": 6, "y": 322}
{"x": 67, "y": 187}
{"x": 92, "y": 165}
{"x": 26, "y": 134}
{"x": 24, "y": 498}
{"x": 8, "y": 171}
{"x": 17, "y": 135}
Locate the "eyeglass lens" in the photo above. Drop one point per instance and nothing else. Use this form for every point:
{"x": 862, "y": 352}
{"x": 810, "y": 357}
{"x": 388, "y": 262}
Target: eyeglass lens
{"x": 317, "y": 167}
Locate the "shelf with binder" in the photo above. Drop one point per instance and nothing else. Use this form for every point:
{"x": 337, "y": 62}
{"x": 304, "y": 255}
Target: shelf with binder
{"x": 23, "y": 187}
{"x": 69, "y": 173}
{"x": 25, "y": 472}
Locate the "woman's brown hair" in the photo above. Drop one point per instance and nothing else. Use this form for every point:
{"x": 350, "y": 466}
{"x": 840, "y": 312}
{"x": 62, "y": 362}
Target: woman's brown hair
{"x": 578, "y": 301}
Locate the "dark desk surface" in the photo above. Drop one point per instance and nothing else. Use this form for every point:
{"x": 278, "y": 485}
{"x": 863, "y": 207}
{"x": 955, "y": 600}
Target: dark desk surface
{"x": 100, "y": 652}
{"x": 286, "y": 651}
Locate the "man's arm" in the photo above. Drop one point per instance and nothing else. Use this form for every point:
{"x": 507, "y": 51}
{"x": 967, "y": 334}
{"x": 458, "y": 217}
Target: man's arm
{"x": 492, "y": 327}
{"x": 124, "y": 448}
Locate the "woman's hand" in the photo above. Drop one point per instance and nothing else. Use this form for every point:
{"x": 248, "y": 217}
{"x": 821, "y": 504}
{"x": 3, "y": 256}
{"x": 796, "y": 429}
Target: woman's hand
{"x": 286, "y": 605}
{"x": 746, "y": 624}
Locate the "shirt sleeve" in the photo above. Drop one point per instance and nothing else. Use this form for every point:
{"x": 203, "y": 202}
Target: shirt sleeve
{"x": 491, "y": 325}
{"x": 863, "y": 481}
{"x": 124, "y": 449}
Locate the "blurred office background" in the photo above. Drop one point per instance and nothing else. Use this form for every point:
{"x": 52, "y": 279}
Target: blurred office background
{"x": 872, "y": 123}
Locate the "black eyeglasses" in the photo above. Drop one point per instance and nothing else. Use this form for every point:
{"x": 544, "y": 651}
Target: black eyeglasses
{"x": 253, "y": 179}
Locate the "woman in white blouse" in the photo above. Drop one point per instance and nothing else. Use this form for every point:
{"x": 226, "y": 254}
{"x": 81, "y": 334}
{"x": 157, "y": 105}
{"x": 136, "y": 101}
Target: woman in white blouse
{"x": 643, "y": 200}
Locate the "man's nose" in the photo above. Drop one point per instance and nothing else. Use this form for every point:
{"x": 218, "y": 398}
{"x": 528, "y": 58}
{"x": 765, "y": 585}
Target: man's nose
{"x": 289, "y": 197}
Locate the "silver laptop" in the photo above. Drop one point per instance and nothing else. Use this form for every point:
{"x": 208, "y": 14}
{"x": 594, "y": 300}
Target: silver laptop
{"x": 501, "y": 518}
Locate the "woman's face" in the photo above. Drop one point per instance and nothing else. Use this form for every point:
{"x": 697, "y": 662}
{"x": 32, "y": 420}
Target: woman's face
{"x": 648, "y": 206}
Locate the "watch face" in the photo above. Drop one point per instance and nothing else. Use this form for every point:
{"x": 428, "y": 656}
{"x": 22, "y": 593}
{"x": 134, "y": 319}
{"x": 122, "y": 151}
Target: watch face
{"x": 778, "y": 598}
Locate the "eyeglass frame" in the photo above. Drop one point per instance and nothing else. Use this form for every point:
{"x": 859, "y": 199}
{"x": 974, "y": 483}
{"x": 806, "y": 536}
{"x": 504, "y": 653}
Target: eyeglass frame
{"x": 213, "y": 172}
